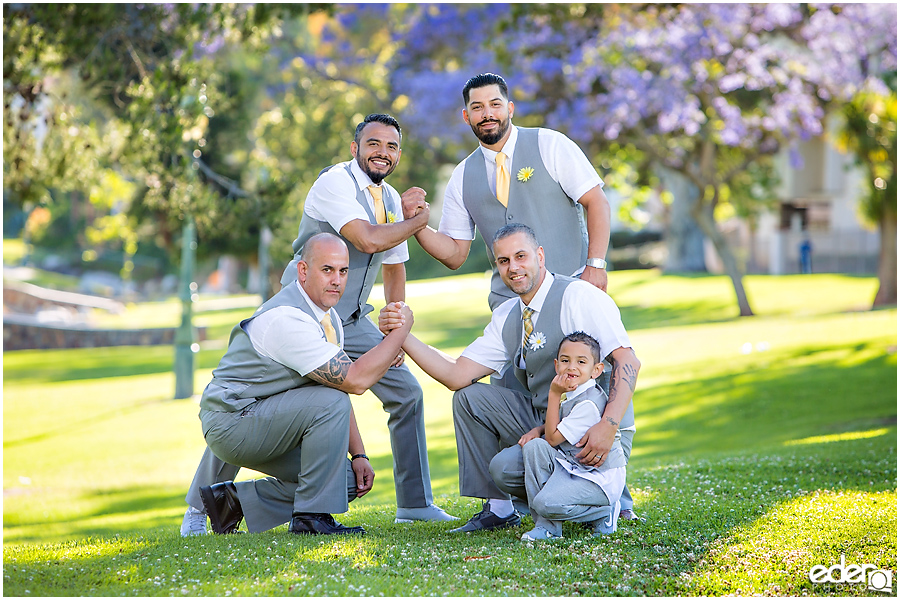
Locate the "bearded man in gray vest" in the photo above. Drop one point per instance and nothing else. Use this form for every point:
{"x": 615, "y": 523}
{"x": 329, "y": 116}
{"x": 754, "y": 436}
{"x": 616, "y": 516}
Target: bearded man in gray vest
{"x": 278, "y": 403}
{"x": 490, "y": 421}
{"x": 545, "y": 182}
{"x": 352, "y": 201}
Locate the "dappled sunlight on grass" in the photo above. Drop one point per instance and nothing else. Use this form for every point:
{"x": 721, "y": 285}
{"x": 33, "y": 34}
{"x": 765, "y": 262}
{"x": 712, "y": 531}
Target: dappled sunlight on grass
{"x": 766, "y": 556}
{"x": 748, "y": 429}
{"x": 839, "y": 437}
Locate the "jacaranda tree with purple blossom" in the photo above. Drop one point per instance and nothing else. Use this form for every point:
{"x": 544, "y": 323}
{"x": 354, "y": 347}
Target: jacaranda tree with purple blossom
{"x": 708, "y": 91}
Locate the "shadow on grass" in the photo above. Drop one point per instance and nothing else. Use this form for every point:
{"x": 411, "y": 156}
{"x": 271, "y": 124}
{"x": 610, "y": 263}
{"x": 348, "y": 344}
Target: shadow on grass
{"x": 770, "y": 405}
{"x": 51, "y": 366}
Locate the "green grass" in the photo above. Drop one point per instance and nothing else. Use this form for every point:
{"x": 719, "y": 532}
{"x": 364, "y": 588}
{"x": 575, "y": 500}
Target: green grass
{"x": 765, "y": 446}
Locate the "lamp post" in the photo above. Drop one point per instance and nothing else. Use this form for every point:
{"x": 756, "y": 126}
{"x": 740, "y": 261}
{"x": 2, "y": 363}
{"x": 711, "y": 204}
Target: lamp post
{"x": 185, "y": 340}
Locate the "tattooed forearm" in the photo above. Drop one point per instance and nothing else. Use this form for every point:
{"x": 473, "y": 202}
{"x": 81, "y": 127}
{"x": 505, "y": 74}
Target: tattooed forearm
{"x": 622, "y": 372}
{"x": 613, "y": 421}
{"x": 334, "y": 372}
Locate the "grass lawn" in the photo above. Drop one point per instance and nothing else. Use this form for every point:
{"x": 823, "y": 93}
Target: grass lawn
{"x": 765, "y": 446}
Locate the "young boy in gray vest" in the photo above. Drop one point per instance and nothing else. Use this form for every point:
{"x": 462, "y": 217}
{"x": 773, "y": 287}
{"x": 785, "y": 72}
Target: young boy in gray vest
{"x": 560, "y": 488}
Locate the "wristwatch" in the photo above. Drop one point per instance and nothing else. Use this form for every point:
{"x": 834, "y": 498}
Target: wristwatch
{"x": 597, "y": 263}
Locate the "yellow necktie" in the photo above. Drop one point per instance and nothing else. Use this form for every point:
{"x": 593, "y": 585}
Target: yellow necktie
{"x": 330, "y": 334}
{"x": 380, "y": 217}
{"x": 528, "y": 326}
{"x": 502, "y": 179}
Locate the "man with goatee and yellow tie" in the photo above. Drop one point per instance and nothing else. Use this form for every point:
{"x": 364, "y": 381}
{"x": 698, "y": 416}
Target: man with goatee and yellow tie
{"x": 352, "y": 201}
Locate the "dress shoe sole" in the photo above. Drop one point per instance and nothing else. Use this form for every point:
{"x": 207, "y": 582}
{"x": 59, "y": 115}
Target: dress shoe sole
{"x": 494, "y": 528}
{"x": 328, "y": 532}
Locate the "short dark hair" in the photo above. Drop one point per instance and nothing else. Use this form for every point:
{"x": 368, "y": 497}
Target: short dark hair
{"x": 484, "y": 80}
{"x": 377, "y": 118}
{"x": 512, "y": 229}
{"x": 583, "y": 338}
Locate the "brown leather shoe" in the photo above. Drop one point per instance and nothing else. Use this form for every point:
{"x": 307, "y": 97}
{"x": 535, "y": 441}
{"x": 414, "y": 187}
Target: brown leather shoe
{"x": 222, "y": 506}
{"x": 320, "y": 524}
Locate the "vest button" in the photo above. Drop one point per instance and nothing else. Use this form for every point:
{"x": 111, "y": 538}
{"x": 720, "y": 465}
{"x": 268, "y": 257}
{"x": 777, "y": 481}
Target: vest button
{"x": 509, "y": 217}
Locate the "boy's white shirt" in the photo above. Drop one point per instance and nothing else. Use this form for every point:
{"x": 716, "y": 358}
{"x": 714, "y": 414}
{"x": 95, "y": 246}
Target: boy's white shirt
{"x": 573, "y": 427}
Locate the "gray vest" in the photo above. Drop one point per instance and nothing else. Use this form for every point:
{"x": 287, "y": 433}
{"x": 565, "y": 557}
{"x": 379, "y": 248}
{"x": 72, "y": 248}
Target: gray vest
{"x": 243, "y": 375}
{"x": 539, "y": 203}
{"x": 364, "y": 267}
{"x": 539, "y": 369}
{"x": 616, "y": 456}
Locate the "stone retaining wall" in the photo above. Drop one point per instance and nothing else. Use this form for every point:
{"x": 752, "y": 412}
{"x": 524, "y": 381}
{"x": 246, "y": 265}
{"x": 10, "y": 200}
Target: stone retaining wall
{"x": 22, "y": 332}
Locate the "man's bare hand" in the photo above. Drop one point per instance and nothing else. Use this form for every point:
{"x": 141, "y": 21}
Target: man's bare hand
{"x": 399, "y": 360}
{"x": 365, "y": 476}
{"x": 596, "y": 443}
{"x": 413, "y": 202}
{"x": 596, "y": 277}
{"x": 394, "y": 316}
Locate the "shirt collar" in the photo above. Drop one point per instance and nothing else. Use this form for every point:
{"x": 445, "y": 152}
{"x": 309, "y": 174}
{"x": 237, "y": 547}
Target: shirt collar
{"x": 580, "y": 389}
{"x": 508, "y": 148}
{"x": 537, "y": 303}
{"x": 362, "y": 180}
{"x": 318, "y": 312}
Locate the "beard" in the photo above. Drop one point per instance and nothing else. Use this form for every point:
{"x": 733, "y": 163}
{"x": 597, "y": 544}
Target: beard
{"x": 491, "y": 138}
{"x": 376, "y": 176}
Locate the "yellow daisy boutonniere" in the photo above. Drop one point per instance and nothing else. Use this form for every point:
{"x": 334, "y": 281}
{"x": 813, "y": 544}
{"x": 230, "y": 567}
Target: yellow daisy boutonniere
{"x": 525, "y": 174}
{"x": 391, "y": 217}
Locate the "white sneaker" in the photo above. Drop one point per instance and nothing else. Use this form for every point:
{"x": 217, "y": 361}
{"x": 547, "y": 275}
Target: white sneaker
{"x": 425, "y": 513}
{"x": 608, "y": 525}
{"x": 194, "y": 522}
{"x": 539, "y": 534}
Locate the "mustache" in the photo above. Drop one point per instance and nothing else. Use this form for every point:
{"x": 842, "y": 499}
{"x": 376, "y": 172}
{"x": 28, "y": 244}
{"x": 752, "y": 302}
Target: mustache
{"x": 488, "y": 121}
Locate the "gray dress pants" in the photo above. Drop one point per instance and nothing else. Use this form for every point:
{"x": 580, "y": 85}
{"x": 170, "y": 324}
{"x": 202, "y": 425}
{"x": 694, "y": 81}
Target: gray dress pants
{"x": 403, "y": 400}
{"x": 554, "y": 495}
{"x": 300, "y": 438}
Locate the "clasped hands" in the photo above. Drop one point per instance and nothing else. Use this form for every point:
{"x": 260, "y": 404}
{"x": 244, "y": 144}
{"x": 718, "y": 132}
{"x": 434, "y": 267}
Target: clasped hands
{"x": 413, "y": 202}
{"x": 394, "y": 316}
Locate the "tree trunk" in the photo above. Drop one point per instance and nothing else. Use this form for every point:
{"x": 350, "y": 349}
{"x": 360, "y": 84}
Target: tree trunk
{"x": 887, "y": 259}
{"x": 703, "y": 214}
{"x": 684, "y": 238}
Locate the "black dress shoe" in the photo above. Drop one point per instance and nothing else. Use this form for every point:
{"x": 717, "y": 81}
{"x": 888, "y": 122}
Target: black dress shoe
{"x": 485, "y": 520}
{"x": 222, "y": 506}
{"x": 320, "y": 524}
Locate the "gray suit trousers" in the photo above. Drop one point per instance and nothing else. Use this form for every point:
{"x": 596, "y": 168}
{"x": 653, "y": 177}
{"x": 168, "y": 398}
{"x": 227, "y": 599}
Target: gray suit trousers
{"x": 403, "y": 400}
{"x": 300, "y": 438}
{"x": 488, "y": 418}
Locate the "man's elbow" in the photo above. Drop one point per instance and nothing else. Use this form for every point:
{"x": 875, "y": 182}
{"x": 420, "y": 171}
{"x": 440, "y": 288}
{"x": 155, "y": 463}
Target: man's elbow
{"x": 356, "y": 388}
{"x": 367, "y": 246}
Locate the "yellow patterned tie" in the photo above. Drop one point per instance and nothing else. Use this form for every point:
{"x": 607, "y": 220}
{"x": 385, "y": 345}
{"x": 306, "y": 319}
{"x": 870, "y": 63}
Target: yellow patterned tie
{"x": 528, "y": 326}
{"x": 502, "y": 180}
{"x": 380, "y": 216}
{"x": 330, "y": 334}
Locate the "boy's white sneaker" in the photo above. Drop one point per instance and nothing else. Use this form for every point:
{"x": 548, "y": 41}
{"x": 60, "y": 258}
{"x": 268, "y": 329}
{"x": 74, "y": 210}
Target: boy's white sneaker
{"x": 432, "y": 512}
{"x": 539, "y": 534}
{"x": 194, "y": 522}
{"x": 609, "y": 524}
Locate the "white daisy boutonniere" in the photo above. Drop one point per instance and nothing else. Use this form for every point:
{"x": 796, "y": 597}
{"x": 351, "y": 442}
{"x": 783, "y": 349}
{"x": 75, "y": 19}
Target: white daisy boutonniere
{"x": 525, "y": 174}
{"x": 537, "y": 340}
{"x": 391, "y": 217}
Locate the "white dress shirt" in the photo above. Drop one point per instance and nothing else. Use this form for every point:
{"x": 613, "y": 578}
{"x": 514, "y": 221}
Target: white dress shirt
{"x": 584, "y": 308}
{"x": 583, "y": 417}
{"x": 291, "y": 337}
{"x": 332, "y": 199}
{"x": 564, "y": 160}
